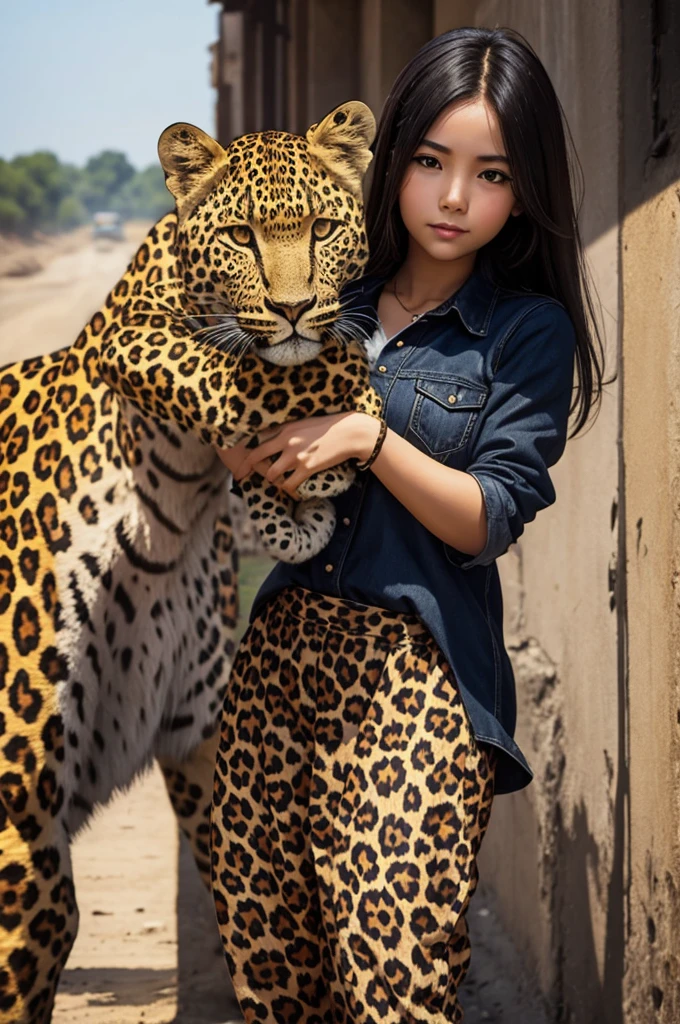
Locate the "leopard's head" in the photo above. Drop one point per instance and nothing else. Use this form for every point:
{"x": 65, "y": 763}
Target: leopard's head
{"x": 270, "y": 229}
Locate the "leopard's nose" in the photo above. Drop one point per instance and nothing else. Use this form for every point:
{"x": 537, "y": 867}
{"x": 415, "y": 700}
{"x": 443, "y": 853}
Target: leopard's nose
{"x": 292, "y": 311}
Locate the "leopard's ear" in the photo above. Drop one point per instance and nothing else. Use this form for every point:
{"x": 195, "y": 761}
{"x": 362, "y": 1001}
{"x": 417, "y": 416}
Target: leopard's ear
{"x": 341, "y": 142}
{"x": 193, "y": 164}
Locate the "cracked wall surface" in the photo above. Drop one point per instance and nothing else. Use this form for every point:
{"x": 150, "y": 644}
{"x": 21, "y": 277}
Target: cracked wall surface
{"x": 651, "y": 351}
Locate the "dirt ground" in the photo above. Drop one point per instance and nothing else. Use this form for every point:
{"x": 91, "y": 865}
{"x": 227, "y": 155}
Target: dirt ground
{"x": 147, "y": 950}
{"x": 22, "y": 257}
{"x": 43, "y": 311}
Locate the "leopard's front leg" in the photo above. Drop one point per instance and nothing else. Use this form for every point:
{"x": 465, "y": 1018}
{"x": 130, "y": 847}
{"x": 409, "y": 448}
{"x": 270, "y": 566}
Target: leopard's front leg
{"x": 294, "y": 531}
{"x": 291, "y": 530}
{"x": 328, "y": 482}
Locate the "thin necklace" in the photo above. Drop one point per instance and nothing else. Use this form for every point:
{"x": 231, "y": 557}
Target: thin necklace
{"x": 414, "y": 316}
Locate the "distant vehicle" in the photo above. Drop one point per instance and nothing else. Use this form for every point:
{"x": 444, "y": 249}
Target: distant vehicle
{"x": 107, "y": 224}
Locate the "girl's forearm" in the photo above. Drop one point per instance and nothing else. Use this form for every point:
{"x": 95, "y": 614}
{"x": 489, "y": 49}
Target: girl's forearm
{"x": 449, "y": 502}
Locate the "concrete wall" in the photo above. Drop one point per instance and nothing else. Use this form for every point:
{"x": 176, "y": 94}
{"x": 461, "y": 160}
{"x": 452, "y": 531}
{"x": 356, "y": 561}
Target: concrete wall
{"x": 350, "y": 49}
{"x": 391, "y": 32}
{"x": 650, "y": 260}
{"x": 333, "y": 55}
{"x": 651, "y": 352}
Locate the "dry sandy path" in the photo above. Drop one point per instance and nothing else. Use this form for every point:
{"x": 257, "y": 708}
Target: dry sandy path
{"x": 132, "y": 963}
{"x": 45, "y": 311}
{"x": 147, "y": 951}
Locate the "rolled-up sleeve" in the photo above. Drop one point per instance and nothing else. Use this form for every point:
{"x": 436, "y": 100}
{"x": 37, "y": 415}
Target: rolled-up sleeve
{"x": 522, "y": 430}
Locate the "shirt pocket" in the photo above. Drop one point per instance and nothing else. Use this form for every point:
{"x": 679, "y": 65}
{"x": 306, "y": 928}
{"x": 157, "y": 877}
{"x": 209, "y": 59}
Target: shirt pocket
{"x": 443, "y": 414}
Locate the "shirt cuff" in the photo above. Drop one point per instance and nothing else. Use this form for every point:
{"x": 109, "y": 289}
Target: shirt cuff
{"x": 498, "y": 535}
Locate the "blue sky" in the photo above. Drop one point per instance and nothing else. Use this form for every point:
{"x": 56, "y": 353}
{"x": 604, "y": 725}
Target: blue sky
{"x": 79, "y": 76}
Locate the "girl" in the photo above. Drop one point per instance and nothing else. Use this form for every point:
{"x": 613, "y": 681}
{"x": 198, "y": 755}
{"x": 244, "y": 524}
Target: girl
{"x": 371, "y": 707}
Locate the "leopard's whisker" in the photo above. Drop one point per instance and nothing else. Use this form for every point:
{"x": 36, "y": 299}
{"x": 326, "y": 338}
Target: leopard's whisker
{"x": 350, "y": 331}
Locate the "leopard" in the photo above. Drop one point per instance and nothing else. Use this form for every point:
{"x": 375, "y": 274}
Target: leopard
{"x": 118, "y": 564}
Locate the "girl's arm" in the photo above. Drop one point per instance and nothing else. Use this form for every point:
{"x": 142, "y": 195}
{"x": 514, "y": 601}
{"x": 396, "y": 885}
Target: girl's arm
{"x": 447, "y": 501}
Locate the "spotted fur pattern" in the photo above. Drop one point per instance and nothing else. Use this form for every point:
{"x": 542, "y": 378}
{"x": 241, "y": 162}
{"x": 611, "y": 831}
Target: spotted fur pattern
{"x": 118, "y": 573}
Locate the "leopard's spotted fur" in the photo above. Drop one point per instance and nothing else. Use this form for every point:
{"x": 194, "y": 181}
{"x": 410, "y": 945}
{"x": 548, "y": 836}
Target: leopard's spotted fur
{"x": 118, "y": 591}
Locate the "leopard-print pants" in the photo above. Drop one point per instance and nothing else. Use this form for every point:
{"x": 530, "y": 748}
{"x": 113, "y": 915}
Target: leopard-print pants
{"x": 350, "y": 802}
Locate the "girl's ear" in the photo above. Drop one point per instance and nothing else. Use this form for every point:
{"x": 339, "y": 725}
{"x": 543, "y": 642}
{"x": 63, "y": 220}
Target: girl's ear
{"x": 341, "y": 143}
{"x": 517, "y": 209}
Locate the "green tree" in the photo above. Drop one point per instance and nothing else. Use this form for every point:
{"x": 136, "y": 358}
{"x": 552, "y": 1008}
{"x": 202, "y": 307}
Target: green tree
{"x": 70, "y": 213}
{"x": 10, "y": 181}
{"x": 12, "y": 217}
{"x": 103, "y": 177}
{"x": 18, "y": 189}
{"x": 144, "y": 195}
{"x": 44, "y": 182}
{"x": 37, "y": 191}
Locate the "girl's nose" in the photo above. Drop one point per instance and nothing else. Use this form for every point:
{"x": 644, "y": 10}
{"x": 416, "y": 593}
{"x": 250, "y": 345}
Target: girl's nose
{"x": 454, "y": 197}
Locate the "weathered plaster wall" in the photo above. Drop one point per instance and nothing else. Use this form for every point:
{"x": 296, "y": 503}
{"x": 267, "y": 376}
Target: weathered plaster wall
{"x": 587, "y": 860}
{"x": 650, "y": 259}
{"x": 391, "y": 32}
{"x": 651, "y": 437}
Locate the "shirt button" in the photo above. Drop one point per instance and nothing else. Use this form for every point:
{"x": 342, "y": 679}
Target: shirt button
{"x": 328, "y": 568}
{"x": 347, "y": 521}
{"x": 399, "y": 344}
{"x": 452, "y": 399}
{"x": 383, "y": 369}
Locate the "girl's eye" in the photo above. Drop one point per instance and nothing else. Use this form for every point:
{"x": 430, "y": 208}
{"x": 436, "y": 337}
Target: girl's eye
{"x": 241, "y": 234}
{"x": 425, "y": 160}
{"x": 498, "y": 179}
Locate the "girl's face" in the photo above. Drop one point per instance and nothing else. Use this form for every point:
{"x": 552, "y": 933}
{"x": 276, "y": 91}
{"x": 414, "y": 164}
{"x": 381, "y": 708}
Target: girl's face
{"x": 457, "y": 193}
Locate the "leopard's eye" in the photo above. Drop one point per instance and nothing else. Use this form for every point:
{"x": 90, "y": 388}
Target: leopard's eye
{"x": 241, "y": 234}
{"x": 323, "y": 228}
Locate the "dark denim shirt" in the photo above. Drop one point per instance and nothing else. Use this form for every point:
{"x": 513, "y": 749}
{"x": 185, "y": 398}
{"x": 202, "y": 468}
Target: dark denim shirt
{"x": 483, "y": 384}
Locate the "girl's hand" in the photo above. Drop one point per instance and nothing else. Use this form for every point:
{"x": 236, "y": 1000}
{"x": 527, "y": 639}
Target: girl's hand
{"x": 305, "y": 447}
{"x": 234, "y": 456}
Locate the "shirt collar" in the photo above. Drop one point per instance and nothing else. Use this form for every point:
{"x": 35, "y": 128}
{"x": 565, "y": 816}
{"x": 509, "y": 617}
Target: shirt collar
{"x": 474, "y": 301}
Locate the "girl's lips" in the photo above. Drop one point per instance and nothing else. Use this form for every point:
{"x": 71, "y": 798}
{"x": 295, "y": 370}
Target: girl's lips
{"x": 447, "y": 232}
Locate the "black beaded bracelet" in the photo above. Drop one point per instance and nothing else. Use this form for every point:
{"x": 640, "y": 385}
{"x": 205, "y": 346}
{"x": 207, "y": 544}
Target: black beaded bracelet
{"x": 362, "y": 466}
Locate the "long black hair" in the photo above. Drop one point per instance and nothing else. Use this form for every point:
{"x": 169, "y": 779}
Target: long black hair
{"x": 540, "y": 249}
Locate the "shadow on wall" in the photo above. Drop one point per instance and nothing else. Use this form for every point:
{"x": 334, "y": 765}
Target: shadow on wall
{"x": 562, "y": 895}
{"x": 585, "y": 994}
